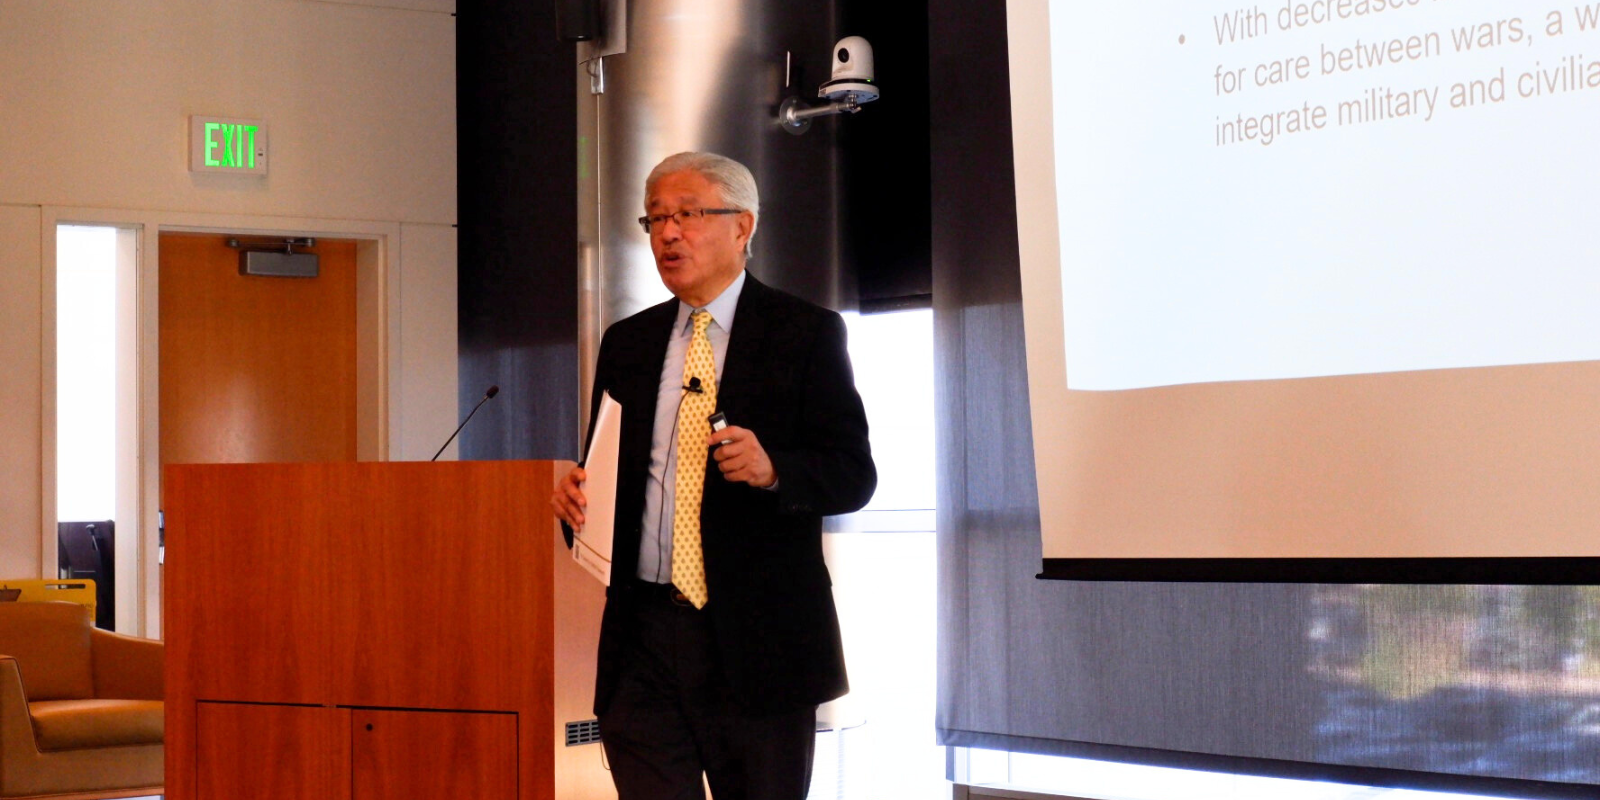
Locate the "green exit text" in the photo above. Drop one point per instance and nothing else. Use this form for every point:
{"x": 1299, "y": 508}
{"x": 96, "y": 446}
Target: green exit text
{"x": 230, "y": 145}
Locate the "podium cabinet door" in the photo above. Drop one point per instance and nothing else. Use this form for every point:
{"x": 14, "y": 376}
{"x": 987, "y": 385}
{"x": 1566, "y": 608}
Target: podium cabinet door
{"x": 400, "y": 755}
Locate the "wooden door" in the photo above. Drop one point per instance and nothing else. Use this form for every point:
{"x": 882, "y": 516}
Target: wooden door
{"x": 255, "y": 369}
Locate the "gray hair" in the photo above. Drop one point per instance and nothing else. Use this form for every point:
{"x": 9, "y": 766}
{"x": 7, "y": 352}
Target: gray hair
{"x": 733, "y": 179}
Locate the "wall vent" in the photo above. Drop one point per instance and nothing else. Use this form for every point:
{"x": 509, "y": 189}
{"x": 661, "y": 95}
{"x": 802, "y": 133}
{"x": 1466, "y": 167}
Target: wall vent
{"x": 585, "y": 732}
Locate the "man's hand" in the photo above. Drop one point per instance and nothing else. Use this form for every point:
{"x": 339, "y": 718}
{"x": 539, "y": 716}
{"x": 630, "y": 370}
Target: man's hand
{"x": 568, "y": 500}
{"x": 741, "y": 457}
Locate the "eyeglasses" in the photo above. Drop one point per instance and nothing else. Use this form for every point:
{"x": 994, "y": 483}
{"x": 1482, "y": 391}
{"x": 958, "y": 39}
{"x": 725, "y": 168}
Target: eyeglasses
{"x": 687, "y": 218}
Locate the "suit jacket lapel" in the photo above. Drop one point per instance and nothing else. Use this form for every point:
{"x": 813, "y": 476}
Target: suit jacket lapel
{"x": 745, "y": 344}
{"x": 644, "y": 374}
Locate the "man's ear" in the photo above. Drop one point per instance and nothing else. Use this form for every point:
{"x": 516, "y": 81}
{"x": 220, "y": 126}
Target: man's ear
{"x": 747, "y": 221}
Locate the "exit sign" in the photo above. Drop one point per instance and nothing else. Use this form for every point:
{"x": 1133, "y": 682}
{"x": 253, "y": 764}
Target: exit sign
{"x": 227, "y": 145}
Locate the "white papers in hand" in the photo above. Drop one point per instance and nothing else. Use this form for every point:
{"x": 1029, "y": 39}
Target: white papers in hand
{"x": 591, "y": 545}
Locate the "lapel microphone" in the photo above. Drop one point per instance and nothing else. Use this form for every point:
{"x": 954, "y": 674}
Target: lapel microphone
{"x": 694, "y": 385}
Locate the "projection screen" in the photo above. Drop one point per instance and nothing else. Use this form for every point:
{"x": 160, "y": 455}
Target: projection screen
{"x": 1312, "y": 288}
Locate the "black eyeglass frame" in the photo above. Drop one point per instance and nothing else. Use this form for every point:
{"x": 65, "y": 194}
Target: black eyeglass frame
{"x": 683, "y": 216}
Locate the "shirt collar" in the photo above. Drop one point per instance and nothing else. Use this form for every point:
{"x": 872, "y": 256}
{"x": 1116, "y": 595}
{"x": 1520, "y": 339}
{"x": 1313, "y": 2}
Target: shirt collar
{"x": 721, "y": 309}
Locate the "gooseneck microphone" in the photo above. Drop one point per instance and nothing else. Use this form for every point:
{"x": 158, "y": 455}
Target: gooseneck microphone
{"x": 487, "y": 396}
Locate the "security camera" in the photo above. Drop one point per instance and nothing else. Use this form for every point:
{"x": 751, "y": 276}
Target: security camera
{"x": 852, "y": 72}
{"x": 851, "y": 85}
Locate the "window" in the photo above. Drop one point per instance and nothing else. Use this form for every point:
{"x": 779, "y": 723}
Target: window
{"x": 97, "y": 422}
{"x": 883, "y": 564}
{"x": 86, "y": 371}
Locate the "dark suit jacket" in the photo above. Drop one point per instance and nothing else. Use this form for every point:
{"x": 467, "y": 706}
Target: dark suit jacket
{"x": 786, "y": 377}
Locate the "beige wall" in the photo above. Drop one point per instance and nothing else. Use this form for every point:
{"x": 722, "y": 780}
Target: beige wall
{"x": 359, "y": 100}
{"x": 19, "y": 391}
{"x": 423, "y": 412}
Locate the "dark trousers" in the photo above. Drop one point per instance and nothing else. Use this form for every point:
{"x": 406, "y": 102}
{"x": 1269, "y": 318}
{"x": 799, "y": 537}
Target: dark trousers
{"x": 673, "y": 717}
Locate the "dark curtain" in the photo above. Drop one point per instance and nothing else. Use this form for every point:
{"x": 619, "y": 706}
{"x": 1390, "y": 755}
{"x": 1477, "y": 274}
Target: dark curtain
{"x": 517, "y": 128}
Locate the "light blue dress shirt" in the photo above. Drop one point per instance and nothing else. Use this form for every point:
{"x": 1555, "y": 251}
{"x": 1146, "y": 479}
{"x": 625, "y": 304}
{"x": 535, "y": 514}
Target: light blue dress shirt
{"x": 655, "y": 535}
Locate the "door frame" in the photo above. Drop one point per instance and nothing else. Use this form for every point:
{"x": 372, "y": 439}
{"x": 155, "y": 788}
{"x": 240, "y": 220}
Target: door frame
{"x": 377, "y": 319}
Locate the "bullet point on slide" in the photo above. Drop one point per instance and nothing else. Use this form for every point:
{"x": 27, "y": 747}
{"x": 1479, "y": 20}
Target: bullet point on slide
{"x": 1180, "y": 38}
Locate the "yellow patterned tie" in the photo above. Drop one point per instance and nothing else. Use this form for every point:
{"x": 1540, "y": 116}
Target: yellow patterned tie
{"x": 688, "y": 561}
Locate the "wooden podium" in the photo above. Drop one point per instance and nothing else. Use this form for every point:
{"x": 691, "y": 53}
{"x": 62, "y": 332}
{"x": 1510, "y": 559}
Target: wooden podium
{"x": 346, "y": 631}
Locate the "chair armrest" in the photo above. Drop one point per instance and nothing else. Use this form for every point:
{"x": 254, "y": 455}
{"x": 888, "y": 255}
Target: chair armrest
{"x": 16, "y": 727}
{"x": 127, "y": 667}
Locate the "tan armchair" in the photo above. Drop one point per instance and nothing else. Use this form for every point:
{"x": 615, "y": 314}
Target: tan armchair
{"x": 80, "y": 708}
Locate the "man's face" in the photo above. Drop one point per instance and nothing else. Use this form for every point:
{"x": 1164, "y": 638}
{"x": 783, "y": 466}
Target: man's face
{"x": 698, "y": 260}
